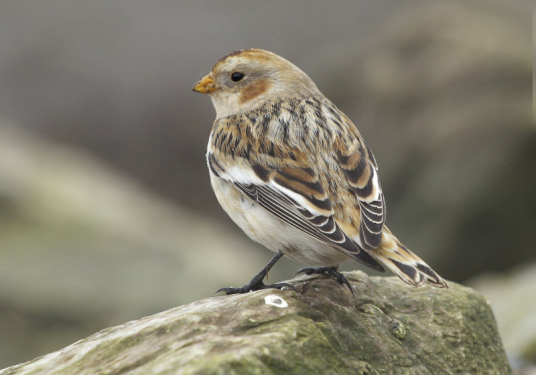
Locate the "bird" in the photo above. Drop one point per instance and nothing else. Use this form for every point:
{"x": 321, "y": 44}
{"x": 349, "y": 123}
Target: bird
{"x": 294, "y": 173}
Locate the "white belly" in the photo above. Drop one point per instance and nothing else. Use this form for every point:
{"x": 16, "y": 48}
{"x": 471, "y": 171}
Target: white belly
{"x": 263, "y": 227}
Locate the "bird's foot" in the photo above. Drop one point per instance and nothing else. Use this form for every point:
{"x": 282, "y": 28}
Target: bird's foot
{"x": 254, "y": 285}
{"x": 332, "y": 270}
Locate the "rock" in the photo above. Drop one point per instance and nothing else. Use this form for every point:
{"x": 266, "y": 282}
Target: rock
{"x": 517, "y": 326}
{"x": 320, "y": 328}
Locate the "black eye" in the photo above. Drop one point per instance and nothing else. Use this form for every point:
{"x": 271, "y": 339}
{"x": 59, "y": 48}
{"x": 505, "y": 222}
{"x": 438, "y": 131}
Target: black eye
{"x": 235, "y": 77}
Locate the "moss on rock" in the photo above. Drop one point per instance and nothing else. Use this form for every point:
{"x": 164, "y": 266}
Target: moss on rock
{"x": 386, "y": 328}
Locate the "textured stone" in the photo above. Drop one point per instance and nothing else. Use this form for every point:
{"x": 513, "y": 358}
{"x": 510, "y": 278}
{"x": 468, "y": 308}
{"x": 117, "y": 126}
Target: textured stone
{"x": 386, "y": 328}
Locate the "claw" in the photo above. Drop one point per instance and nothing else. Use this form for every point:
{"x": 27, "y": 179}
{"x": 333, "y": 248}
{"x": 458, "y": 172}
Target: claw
{"x": 330, "y": 271}
{"x": 256, "y": 282}
{"x": 307, "y": 270}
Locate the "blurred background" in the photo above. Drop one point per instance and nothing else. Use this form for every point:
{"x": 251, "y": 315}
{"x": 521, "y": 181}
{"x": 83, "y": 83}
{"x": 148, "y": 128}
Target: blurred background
{"x": 106, "y": 210}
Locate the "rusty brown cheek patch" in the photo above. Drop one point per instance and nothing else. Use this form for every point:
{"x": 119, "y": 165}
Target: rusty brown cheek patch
{"x": 254, "y": 90}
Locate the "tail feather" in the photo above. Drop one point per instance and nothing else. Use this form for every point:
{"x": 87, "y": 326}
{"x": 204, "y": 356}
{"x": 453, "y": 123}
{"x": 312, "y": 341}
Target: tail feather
{"x": 404, "y": 263}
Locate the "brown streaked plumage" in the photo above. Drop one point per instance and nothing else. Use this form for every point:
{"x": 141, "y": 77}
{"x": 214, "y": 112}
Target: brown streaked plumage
{"x": 295, "y": 174}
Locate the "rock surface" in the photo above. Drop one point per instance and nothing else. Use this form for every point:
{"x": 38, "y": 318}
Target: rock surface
{"x": 517, "y": 326}
{"x": 320, "y": 328}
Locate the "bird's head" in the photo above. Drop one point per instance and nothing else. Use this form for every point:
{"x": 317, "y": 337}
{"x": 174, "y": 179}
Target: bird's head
{"x": 246, "y": 79}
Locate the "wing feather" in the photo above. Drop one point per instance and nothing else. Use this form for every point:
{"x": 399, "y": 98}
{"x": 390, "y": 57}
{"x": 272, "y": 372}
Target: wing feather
{"x": 362, "y": 173}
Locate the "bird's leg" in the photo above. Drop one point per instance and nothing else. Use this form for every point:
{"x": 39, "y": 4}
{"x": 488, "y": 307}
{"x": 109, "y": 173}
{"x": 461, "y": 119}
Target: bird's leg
{"x": 330, "y": 270}
{"x": 256, "y": 282}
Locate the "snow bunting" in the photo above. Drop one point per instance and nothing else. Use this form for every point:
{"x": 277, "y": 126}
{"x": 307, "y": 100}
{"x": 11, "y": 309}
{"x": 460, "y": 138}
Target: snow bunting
{"x": 294, "y": 173}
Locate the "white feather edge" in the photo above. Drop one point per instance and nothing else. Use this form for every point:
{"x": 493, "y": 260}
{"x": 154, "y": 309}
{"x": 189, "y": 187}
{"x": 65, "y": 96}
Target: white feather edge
{"x": 375, "y": 186}
{"x": 248, "y": 176}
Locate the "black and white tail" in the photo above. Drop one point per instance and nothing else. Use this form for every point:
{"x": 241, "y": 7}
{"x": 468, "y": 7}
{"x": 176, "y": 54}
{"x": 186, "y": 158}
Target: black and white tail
{"x": 404, "y": 263}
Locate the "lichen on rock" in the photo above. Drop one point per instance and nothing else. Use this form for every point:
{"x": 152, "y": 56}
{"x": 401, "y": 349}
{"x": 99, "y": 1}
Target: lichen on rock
{"x": 321, "y": 328}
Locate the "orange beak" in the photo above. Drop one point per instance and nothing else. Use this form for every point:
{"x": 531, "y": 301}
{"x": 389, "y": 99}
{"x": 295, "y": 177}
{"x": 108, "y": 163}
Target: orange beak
{"x": 205, "y": 86}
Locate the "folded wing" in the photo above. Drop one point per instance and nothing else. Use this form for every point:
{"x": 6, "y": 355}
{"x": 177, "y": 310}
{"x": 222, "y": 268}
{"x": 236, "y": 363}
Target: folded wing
{"x": 296, "y": 196}
{"x": 362, "y": 173}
